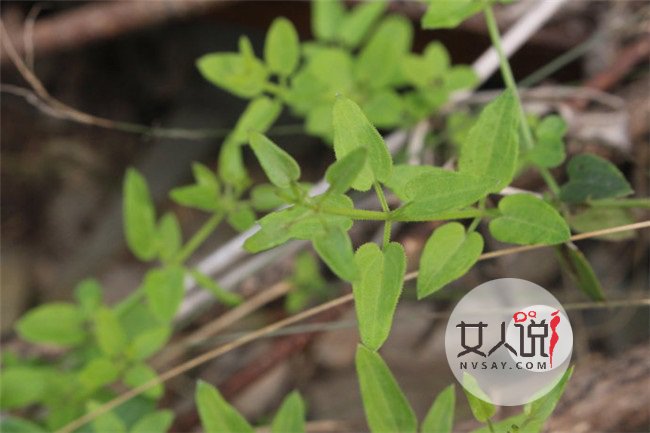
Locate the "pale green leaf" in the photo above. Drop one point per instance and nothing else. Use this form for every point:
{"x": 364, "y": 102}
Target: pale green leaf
{"x": 538, "y": 411}
{"x": 335, "y": 248}
{"x": 352, "y": 130}
{"x": 196, "y": 196}
{"x": 139, "y": 374}
{"x": 445, "y": 14}
{"x": 384, "y": 109}
{"x": 290, "y": 418}
{"x": 156, "y": 422}
{"x": 491, "y": 146}
{"x": 549, "y": 149}
{"x": 12, "y": 424}
{"x": 88, "y": 294}
{"x": 241, "y": 218}
{"x": 259, "y": 116}
{"x": 478, "y": 401}
{"x": 440, "y": 418}
{"x": 58, "y": 324}
{"x": 599, "y": 218}
{"x": 357, "y": 23}
{"x": 106, "y": 422}
{"x": 165, "y": 290}
{"x": 149, "y": 341}
{"x": 139, "y": 216}
{"x": 282, "y": 47}
{"x": 109, "y": 332}
{"x": 265, "y": 197}
{"x": 386, "y": 407}
{"x": 591, "y": 178}
{"x": 224, "y": 296}
{"x": 279, "y": 166}
{"x": 21, "y": 386}
{"x": 332, "y": 67}
{"x": 528, "y": 220}
{"x": 379, "y": 60}
{"x": 343, "y": 172}
{"x": 217, "y": 416}
{"x": 448, "y": 254}
{"x": 326, "y": 18}
{"x": 377, "y": 290}
{"x": 97, "y": 373}
{"x": 403, "y": 174}
{"x": 169, "y": 236}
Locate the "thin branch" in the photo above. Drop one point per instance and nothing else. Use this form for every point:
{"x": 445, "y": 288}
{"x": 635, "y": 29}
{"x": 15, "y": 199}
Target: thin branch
{"x": 269, "y": 329}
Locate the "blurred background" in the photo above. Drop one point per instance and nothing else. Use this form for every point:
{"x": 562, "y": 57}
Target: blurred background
{"x": 134, "y": 63}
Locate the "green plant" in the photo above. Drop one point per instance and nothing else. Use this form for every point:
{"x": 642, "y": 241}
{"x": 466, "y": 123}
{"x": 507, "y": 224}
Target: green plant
{"x": 358, "y": 75}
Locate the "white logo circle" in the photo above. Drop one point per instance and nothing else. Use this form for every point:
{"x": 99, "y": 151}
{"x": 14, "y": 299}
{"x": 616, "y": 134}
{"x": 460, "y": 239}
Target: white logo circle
{"x": 512, "y": 337}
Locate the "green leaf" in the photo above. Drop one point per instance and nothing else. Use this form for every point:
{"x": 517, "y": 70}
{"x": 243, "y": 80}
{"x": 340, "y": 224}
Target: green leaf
{"x": 440, "y": 418}
{"x": 12, "y": 424}
{"x": 379, "y": 60}
{"x": 139, "y": 216}
{"x": 335, "y": 248}
{"x": 265, "y": 197}
{"x": 241, "y": 218}
{"x": 241, "y": 74}
{"x": 89, "y": 296}
{"x": 445, "y": 14}
{"x": 352, "y": 130}
{"x": 109, "y": 333}
{"x": 402, "y": 175}
{"x": 528, "y": 220}
{"x": 377, "y": 290}
{"x": 591, "y": 178}
{"x": 227, "y": 298}
{"x": 580, "y": 270}
{"x": 97, "y": 373}
{"x": 326, "y": 17}
{"x": 600, "y": 218}
{"x": 490, "y": 149}
{"x": 549, "y": 149}
{"x": 290, "y": 418}
{"x": 59, "y": 324}
{"x": 204, "y": 194}
{"x": 217, "y": 416}
{"x": 384, "y": 109}
{"x": 259, "y": 116}
{"x": 21, "y": 386}
{"x": 478, "y": 401}
{"x": 106, "y": 422}
{"x": 139, "y": 374}
{"x": 165, "y": 290}
{"x": 386, "y": 407}
{"x": 333, "y": 68}
{"x": 343, "y": 172}
{"x": 279, "y": 166}
{"x": 149, "y": 341}
{"x": 438, "y": 190}
{"x": 538, "y": 411}
{"x": 357, "y": 23}
{"x": 231, "y": 165}
{"x": 282, "y": 47}
{"x": 156, "y": 422}
{"x": 448, "y": 254}
{"x": 460, "y": 77}
{"x": 169, "y": 236}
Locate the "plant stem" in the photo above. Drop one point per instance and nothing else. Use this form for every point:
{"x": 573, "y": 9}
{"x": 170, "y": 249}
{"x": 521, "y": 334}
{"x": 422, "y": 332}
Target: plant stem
{"x": 490, "y": 426}
{"x": 509, "y": 79}
{"x": 643, "y": 203}
{"x": 384, "y": 205}
{"x": 199, "y": 237}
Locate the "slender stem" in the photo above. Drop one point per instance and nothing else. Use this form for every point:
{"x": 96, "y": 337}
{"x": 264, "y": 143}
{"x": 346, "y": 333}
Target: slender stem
{"x": 357, "y": 214}
{"x": 490, "y": 426}
{"x": 384, "y": 205}
{"x": 643, "y": 203}
{"x": 199, "y": 237}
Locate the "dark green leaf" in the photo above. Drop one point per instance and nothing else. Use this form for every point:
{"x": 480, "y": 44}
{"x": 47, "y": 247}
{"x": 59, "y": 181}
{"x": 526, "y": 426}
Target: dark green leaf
{"x": 343, "y": 172}
{"x": 282, "y": 47}
{"x": 278, "y": 165}
{"x": 352, "y": 130}
{"x": 386, "y": 407}
{"x": 377, "y": 290}
{"x": 12, "y": 424}
{"x": 59, "y": 324}
{"x": 591, "y": 178}
{"x": 139, "y": 216}
{"x": 291, "y": 415}
{"x": 447, "y": 255}
{"x": 165, "y": 290}
{"x": 440, "y": 418}
{"x": 335, "y": 248}
{"x": 528, "y": 220}
{"x": 217, "y": 416}
{"x": 490, "y": 149}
